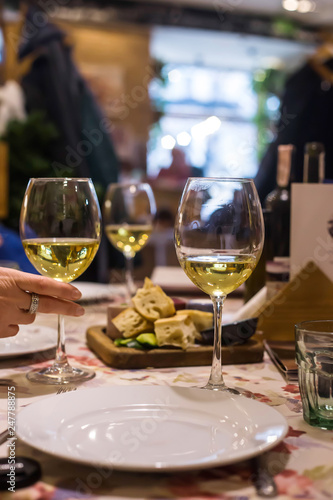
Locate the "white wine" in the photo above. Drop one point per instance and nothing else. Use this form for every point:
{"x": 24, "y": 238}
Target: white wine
{"x": 218, "y": 275}
{"x": 63, "y": 259}
{"x": 128, "y": 238}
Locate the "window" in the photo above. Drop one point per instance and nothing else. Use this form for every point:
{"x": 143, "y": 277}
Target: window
{"x": 208, "y": 112}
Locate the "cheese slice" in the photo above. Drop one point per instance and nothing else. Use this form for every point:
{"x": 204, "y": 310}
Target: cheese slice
{"x": 152, "y": 303}
{"x": 130, "y": 323}
{"x": 177, "y": 331}
{"x": 202, "y": 320}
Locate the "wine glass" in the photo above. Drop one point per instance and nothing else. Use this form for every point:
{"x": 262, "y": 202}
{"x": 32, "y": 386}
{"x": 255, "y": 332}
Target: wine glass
{"x": 219, "y": 238}
{"x": 60, "y": 232}
{"x": 129, "y": 210}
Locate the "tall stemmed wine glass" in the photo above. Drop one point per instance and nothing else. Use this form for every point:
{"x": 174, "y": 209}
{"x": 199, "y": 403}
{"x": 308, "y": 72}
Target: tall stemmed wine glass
{"x": 219, "y": 238}
{"x": 60, "y": 232}
{"x": 129, "y": 210}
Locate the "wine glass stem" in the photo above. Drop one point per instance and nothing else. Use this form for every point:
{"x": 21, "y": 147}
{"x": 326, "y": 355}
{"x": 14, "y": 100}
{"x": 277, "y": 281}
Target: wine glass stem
{"x": 216, "y": 377}
{"x": 61, "y": 358}
{"x": 129, "y": 275}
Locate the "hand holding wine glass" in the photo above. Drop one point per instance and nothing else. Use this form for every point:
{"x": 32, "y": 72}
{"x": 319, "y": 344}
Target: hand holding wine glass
{"x": 129, "y": 210}
{"x": 60, "y": 233}
{"x": 219, "y": 238}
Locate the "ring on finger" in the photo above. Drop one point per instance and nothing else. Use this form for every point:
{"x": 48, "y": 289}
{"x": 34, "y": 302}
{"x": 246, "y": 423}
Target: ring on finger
{"x": 34, "y": 303}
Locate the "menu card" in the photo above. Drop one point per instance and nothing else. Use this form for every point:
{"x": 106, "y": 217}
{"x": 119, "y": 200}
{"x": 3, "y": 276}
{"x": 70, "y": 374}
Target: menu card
{"x": 311, "y": 236}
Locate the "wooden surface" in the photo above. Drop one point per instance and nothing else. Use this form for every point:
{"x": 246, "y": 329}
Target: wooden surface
{"x": 126, "y": 357}
{"x": 309, "y": 296}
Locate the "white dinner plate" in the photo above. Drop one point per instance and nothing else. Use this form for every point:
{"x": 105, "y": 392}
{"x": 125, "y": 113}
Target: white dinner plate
{"x": 151, "y": 428}
{"x": 94, "y": 292}
{"x": 172, "y": 279}
{"x": 30, "y": 339}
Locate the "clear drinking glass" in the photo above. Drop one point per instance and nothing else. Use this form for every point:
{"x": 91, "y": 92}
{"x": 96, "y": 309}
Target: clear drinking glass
{"x": 128, "y": 214}
{"x": 314, "y": 354}
{"x": 219, "y": 236}
{"x": 60, "y": 232}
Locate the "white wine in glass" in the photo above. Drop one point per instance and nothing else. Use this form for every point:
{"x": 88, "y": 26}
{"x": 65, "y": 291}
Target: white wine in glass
{"x": 60, "y": 229}
{"x": 129, "y": 210}
{"x": 219, "y": 235}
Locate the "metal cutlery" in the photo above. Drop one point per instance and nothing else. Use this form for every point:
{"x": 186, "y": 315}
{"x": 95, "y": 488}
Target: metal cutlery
{"x": 263, "y": 481}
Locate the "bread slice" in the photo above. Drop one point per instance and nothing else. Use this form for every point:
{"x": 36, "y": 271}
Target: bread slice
{"x": 202, "y": 320}
{"x": 130, "y": 323}
{"x": 177, "y": 331}
{"x": 152, "y": 303}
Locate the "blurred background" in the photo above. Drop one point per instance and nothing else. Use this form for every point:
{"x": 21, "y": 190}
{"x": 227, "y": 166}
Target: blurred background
{"x": 163, "y": 90}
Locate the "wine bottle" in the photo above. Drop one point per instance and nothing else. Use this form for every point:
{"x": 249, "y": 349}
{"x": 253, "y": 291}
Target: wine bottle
{"x": 314, "y": 162}
{"x": 278, "y": 203}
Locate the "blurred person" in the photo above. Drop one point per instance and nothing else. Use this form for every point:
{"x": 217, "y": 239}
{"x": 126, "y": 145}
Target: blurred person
{"x": 22, "y": 294}
{"x": 179, "y": 170}
{"x": 306, "y": 113}
{"x": 164, "y": 219}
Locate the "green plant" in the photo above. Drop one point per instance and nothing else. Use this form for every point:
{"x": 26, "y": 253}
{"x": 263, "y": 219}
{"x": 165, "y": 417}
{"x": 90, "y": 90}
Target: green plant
{"x": 29, "y": 144}
{"x": 266, "y": 83}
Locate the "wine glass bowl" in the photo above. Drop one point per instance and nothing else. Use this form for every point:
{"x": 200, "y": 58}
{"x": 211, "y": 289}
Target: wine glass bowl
{"x": 60, "y": 232}
{"x": 128, "y": 214}
{"x": 219, "y": 239}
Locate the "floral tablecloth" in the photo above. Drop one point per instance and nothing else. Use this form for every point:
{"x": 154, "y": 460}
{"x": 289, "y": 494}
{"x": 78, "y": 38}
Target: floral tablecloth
{"x": 302, "y": 463}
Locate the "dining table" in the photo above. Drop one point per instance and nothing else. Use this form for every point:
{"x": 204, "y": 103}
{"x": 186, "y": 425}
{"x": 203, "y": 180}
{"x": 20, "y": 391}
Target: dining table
{"x": 301, "y": 463}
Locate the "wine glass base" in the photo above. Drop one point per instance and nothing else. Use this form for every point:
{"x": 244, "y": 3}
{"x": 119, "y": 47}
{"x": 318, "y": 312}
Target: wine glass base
{"x": 54, "y": 375}
{"x": 224, "y": 388}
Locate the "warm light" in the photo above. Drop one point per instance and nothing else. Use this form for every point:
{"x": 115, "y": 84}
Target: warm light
{"x": 305, "y": 6}
{"x": 291, "y": 5}
{"x": 271, "y": 62}
{"x": 302, "y": 6}
{"x": 174, "y": 75}
{"x": 260, "y": 75}
{"x": 184, "y": 139}
{"x": 168, "y": 142}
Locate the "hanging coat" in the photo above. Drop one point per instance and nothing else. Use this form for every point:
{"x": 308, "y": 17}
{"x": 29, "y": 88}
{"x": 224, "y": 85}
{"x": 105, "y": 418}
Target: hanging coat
{"x": 54, "y": 85}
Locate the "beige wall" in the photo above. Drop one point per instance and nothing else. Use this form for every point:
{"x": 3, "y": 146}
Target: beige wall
{"x": 13, "y": 69}
{"x": 117, "y": 65}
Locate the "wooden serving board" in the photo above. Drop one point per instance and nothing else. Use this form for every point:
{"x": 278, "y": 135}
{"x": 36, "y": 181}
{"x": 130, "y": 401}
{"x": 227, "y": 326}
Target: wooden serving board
{"x": 126, "y": 357}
